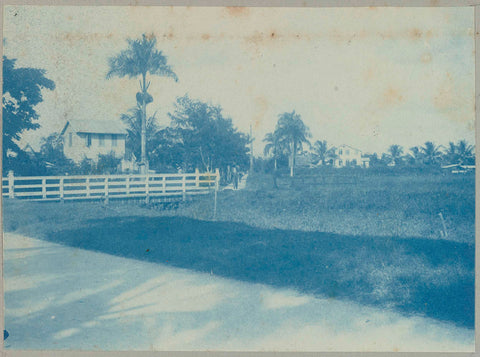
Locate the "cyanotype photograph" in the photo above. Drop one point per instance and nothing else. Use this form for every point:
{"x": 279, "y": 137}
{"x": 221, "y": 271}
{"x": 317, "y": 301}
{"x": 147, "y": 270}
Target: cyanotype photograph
{"x": 238, "y": 178}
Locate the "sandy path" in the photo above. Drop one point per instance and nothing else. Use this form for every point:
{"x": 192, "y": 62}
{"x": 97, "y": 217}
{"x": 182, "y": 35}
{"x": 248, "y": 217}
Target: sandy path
{"x": 59, "y": 297}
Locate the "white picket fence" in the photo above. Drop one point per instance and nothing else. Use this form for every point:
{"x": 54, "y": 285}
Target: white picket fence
{"x": 55, "y": 188}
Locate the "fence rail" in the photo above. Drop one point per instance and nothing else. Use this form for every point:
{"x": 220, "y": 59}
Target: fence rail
{"x": 51, "y": 188}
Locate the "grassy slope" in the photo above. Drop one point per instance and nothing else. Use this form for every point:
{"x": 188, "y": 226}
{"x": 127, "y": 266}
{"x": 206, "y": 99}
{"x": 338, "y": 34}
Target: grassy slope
{"x": 306, "y": 239}
{"x": 379, "y": 205}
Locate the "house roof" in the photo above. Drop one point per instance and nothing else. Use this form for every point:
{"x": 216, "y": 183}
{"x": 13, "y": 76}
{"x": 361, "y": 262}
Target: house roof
{"x": 459, "y": 166}
{"x": 96, "y": 126}
{"x": 348, "y": 146}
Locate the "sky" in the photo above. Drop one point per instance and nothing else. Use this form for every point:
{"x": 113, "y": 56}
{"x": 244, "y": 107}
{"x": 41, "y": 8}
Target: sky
{"x": 366, "y": 77}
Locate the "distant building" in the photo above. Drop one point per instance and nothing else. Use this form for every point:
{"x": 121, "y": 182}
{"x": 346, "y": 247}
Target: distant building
{"x": 459, "y": 168}
{"x": 91, "y": 138}
{"x": 349, "y": 156}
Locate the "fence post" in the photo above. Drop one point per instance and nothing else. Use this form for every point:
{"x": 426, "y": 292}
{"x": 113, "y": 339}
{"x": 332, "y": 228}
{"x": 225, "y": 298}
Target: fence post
{"x": 106, "y": 190}
{"x": 184, "y": 187}
{"x": 164, "y": 184}
{"x": 217, "y": 181}
{"x": 62, "y": 194}
{"x": 127, "y": 185}
{"x": 87, "y": 186}
{"x": 11, "y": 184}
{"x": 147, "y": 189}
{"x": 44, "y": 188}
{"x": 197, "y": 178}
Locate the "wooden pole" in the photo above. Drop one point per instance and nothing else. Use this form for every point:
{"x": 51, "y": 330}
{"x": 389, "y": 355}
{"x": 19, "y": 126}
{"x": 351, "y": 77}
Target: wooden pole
{"x": 184, "y": 187}
{"x": 44, "y": 188}
{"x": 87, "y": 186}
{"x": 62, "y": 194}
{"x": 147, "y": 189}
{"x": 11, "y": 184}
{"x": 106, "y": 190}
{"x": 197, "y": 178}
{"x": 217, "y": 182}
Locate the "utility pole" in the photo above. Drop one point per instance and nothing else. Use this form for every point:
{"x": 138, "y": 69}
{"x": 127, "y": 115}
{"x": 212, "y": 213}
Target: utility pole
{"x": 251, "y": 150}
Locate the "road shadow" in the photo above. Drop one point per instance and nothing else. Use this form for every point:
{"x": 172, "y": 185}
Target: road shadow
{"x": 433, "y": 278}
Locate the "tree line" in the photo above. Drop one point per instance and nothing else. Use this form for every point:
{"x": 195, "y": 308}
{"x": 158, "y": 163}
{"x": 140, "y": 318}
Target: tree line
{"x": 199, "y": 134}
{"x": 291, "y": 135}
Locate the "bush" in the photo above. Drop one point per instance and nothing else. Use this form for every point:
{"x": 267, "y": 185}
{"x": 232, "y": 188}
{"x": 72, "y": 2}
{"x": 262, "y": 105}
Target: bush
{"x": 107, "y": 164}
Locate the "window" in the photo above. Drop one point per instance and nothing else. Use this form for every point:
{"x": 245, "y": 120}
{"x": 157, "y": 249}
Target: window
{"x": 70, "y": 139}
{"x": 114, "y": 140}
{"x": 340, "y": 152}
{"x": 88, "y": 140}
{"x": 101, "y": 140}
{"x": 347, "y": 152}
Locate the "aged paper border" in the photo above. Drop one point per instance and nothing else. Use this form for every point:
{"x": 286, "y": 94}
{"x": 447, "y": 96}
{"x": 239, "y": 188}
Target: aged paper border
{"x": 269, "y": 3}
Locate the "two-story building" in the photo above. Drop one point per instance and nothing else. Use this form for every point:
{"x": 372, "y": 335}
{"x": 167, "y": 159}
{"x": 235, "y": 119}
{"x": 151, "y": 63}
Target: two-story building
{"x": 91, "y": 138}
{"x": 349, "y": 156}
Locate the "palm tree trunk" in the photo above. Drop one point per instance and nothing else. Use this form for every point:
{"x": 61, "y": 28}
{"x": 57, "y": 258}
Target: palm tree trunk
{"x": 143, "y": 137}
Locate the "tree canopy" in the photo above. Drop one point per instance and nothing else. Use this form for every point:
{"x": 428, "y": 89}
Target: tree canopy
{"x": 292, "y": 130}
{"x": 200, "y": 137}
{"x": 139, "y": 59}
{"x": 22, "y": 91}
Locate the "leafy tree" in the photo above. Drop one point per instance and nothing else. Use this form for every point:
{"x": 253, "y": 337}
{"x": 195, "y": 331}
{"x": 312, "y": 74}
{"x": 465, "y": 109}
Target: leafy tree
{"x": 431, "y": 153}
{"x": 465, "y": 152}
{"x": 461, "y": 153}
{"x": 107, "y": 164}
{"x": 86, "y": 166}
{"x": 201, "y": 137}
{"x": 323, "y": 153}
{"x": 450, "y": 155}
{"x": 52, "y": 156}
{"x": 292, "y": 130}
{"x": 374, "y": 160}
{"x": 140, "y": 59}
{"x": 395, "y": 153}
{"x": 415, "y": 156}
{"x": 22, "y": 91}
{"x": 133, "y": 121}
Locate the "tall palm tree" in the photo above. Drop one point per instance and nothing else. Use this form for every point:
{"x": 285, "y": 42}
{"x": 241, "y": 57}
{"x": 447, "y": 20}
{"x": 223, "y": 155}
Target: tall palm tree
{"x": 395, "y": 153}
{"x": 133, "y": 120}
{"x": 272, "y": 146}
{"x": 451, "y": 156}
{"x": 322, "y": 152}
{"x": 415, "y": 156}
{"x": 140, "y": 59}
{"x": 292, "y": 131}
{"x": 431, "y": 153}
{"x": 465, "y": 152}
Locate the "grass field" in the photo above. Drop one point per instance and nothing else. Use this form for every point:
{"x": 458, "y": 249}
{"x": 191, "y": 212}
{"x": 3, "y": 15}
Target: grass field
{"x": 374, "y": 240}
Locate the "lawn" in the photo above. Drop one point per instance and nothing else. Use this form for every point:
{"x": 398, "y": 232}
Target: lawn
{"x": 374, "y": 239}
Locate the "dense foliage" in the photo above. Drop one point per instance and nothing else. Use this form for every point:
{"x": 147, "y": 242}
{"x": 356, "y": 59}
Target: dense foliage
{"x": 22, "y": 91}
{"x": 199, "y": 136}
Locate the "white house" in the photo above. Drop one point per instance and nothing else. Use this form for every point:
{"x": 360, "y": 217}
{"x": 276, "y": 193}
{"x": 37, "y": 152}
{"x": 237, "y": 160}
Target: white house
{"x": 91, "y": 138}
{"x": 349, "y": 156}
